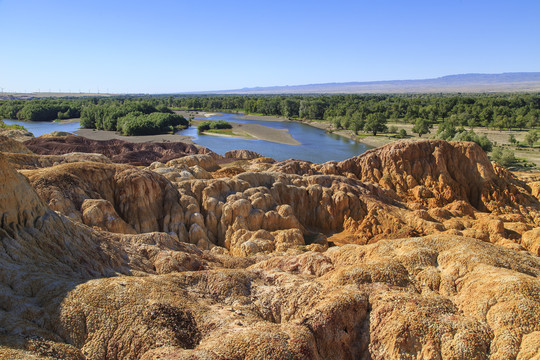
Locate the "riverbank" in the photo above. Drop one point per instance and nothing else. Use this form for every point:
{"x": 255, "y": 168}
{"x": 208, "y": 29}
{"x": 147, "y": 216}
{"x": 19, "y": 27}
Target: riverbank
{"x": 372, "y": 141}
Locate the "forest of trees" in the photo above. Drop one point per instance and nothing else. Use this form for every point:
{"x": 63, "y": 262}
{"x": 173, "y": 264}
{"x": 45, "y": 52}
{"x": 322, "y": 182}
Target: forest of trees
{"x": 130, "y": 116}
{"x": 369, "y": 113}
{"x": 40, "y": 110}
{"x": 354, "y": 112}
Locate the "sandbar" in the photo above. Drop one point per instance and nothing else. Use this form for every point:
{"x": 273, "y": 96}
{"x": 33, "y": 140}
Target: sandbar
{"x": 261, "y": 132}
{"x": 251, "y": 131}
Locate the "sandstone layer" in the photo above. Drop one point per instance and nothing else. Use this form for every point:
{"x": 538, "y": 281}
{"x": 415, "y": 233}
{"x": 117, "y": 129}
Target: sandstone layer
{"x": 437, "y": 258}
{"x": 118, "y": 151}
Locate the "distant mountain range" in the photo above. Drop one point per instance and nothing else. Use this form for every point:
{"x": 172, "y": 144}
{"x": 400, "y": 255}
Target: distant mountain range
{"x": 466, "y": 83}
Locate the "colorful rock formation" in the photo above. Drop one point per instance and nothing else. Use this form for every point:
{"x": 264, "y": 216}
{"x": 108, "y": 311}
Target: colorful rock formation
{"x": 437, "y": 258}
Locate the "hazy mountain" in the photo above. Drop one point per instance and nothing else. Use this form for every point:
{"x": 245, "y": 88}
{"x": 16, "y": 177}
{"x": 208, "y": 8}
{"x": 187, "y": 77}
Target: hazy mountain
{"x": 506, "y": 82}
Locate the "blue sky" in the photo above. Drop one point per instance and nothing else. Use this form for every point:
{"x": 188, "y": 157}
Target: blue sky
{"x": 165, "y": 46}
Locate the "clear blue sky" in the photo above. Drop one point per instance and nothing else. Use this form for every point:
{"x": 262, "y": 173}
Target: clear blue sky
{"x": 164, "y": 46}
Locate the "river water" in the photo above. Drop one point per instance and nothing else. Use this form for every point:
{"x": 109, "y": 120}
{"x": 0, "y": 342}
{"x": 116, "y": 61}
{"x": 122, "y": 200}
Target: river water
{"x": 39, "y": 128}
{"x": 317, "y": 145}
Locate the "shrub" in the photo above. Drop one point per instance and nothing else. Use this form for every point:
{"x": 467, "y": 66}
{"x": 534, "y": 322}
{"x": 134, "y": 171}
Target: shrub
{"x": 470, "y": 135}
{"x": 204, "y": 126}
{"x": 504, "y": 157}
{"x": 220, "y": 124}
{"x": 213, "y": 125}
{"x": 531, "y": 138}
{"x": 3, "y": 125}
{"x": 402, "y": 134}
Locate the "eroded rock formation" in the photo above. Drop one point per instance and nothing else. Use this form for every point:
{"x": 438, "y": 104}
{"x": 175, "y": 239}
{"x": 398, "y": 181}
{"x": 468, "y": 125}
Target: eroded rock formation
{"x": 242, "y": 154}
{"x": 431, "y": 264}
{"x": 142, "y": 154}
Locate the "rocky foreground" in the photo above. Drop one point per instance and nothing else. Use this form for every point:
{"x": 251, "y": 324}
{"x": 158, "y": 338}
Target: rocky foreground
{"x": 416, "y": 250}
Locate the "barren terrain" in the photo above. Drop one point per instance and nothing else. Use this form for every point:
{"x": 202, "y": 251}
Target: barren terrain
{"x": 415, "y": 250}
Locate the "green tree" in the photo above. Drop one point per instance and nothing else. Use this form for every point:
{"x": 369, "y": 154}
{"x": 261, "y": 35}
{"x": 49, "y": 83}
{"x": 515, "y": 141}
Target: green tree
{"x": 512, "y": 139}
{"x": 375, "y": 123}
{"x": 447, "y": 130}
{"x": 531, "y": 138}
{"x": 421, "y": 127}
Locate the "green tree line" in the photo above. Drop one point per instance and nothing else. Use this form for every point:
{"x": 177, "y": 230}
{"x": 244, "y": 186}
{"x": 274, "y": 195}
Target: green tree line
{"x": 40, "y": 110}
{"x": 131, "y": 117}
{"x": 499, "y": 111}
{"x": 368, "y": 113}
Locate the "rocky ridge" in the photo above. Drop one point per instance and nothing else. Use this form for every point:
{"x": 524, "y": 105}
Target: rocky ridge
{"x": 118, "y": 151}
{"x": 438, "y": 265}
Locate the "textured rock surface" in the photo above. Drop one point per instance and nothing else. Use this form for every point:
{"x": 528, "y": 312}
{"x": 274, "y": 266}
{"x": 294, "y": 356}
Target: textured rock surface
{"x": 143, "y": 199}
{"x": 100, "y": 214}
{"x": 9, "y": 145}
{"x": 17, "y": 135}
{"x": 118, "y": 151}
{"x": 33, "y": 161}
{"x": 242, "y": 154}
{"x": 425, "y": 276}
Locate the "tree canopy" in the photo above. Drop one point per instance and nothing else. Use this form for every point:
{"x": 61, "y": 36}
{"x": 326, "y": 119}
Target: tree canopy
{"x": 368, "y": 113}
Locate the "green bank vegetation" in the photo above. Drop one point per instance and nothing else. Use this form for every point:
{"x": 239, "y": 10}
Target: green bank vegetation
{"x": 219, "y": 126}
{"x": 454, "y": 115}
{"x": 3, "y": 125}
{"x": 129, "y": 116}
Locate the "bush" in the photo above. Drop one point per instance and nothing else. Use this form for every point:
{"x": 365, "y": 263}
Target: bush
{"x": 531, "y": 138}
{"x": 137, "y": 123}
{"x": 504, "y": 157}
{"x": 402, "y": 134}
{"x": 470, "y": 135}
{"x": 204, "y": 126}
{"x": 213, "y": 125}
{"x": 3, "y": 125}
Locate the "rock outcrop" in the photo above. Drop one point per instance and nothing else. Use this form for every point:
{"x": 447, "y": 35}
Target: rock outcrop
{"x": 360, "y": 200}
{"x": 9, "y": 145}
{"x": 23, "y": 161}
{"x": 142, "y": 199}
{"x": 118, "y": 151}
{"x": 17, "y": 134}
{"x": 242, "y": 154}
{"x": 425, "y": 276}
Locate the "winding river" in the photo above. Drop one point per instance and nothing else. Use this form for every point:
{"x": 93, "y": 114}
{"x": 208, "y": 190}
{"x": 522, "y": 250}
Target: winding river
{"x": 317, "y": 145}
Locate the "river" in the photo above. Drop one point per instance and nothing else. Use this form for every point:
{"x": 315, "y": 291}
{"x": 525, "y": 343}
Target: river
{"x": 317, "y": 145}
{"x": 39, "y": 128}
